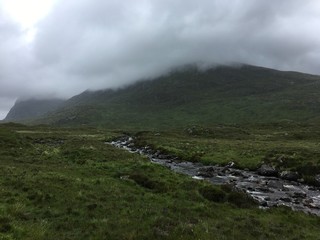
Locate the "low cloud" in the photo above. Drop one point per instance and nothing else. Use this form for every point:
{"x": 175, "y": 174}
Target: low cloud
{"x": 98, "y": 44}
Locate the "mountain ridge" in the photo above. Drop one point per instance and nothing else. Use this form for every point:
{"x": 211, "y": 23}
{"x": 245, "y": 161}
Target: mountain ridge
{"x": 29, "y": 109}
{"x": 188, "y": 96}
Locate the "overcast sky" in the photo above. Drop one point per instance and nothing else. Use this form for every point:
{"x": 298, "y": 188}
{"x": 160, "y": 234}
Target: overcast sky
{"x": 56, "y": 48}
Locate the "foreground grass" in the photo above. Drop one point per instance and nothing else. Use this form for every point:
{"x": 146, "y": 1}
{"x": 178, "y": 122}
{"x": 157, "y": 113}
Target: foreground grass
{"x": 68, "y": 184}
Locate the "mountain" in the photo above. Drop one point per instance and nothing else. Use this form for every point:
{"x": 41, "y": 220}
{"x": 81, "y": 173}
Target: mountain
{"x": 225, "y": 94}
{"x": 26, "y": 110}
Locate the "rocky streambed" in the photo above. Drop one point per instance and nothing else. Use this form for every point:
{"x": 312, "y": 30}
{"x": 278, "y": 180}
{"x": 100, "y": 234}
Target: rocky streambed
{"x": 269, "y": 191}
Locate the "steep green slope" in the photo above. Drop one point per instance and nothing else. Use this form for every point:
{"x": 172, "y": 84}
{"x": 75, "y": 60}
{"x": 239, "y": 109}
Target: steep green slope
{"x": 190, "y": 96}
{"x": 32, "y": 108}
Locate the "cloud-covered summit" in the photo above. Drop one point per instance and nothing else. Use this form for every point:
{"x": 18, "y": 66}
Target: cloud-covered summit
{"x": 97, "y": 44}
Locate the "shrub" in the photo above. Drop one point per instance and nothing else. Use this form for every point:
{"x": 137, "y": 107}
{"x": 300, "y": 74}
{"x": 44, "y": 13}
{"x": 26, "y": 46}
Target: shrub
{"x": 241, "y": 199}
{"x": 146, "y": 182}
{"x": 5, "y": 225}
{"x": 213, "y": 194}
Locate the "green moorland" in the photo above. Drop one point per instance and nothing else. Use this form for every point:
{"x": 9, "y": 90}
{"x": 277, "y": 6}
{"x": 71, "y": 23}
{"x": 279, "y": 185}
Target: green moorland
{"x": 63, "y": 183}
{"x": 227, "y": 95}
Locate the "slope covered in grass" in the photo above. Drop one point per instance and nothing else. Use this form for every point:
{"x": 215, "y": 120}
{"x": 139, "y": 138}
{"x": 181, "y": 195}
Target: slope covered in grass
{"x": 191, "y": 96}
{"x": 26, "y": 110}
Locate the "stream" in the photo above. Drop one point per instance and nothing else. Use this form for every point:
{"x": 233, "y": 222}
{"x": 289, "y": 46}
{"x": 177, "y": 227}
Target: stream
{"x": 268, "y": 191}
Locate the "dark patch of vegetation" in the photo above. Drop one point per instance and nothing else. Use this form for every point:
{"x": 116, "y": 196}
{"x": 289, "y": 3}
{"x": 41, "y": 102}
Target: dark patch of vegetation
{"x": 147, "y": 182}
{"x": 225, "y": 193}
{"x": 212, "y": 193}
{"x": 241, "y": 199}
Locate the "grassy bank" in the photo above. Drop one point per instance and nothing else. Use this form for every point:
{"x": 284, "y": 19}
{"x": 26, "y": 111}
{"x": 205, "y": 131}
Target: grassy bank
{"x": 286, "y": 146}
{"x": 68, "y": 184}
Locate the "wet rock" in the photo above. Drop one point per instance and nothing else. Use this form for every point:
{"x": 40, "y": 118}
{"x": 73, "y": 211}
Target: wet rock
{"x": 156, "y": 154}
{"x": 299, "y": 195}
{"x": 230, "y": 165}
{"x": 225, "y": 170}
{"x": 267, "y": 170}
{"x": 288, "y": 175}
{"x": 312, "y": 188}
{"x": 308, "y": 201}
{"x": 264, "y": 189}
{"x": 267, "y": 198}
{"x": 207, "y": 172}
{"x": 254, "y": 179}
{"x": 237, "y": 173}
{"x": 148, "y": 151}
{"x": 164, "y": 156}
{"x": 312, "y": 205}
{"x": 300, "y": 180}
{"x": 275, "y": 184}
{"x": 130, "y": 145}
{"x": 250, "y": 189}
{"x": 297, "y": 201}
{"x": 281, "y": 159}
{"x": 317, "y": 178}
{"x": 285, "y": 199}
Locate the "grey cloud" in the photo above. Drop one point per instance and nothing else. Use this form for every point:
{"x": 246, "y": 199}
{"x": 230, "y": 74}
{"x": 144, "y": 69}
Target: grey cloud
{"x": 144, "y": 37}
{"x": 85, "y": 44}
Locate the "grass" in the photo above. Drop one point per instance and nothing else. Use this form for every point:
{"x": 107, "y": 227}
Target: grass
{"x": 61, "y": 183}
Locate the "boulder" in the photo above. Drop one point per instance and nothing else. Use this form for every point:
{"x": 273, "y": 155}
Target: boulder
{"x": 288, "y": 175}
{"x": 300, "y": 195}
{"x": 317, "y": 178}
{"x": 286, "y": 199}
{"x": 237, "y": 173}
{"x": 267, "y": 170}
{"x": 207, "y": 172}
{"x": 275, "y": 184}
{"x": 263, "y": 189}
{"x": 230, "y": 165}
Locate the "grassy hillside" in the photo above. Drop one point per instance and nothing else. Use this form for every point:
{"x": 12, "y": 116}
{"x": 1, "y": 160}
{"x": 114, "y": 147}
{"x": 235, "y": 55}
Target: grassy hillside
{"x": 68, "y": 184}
{"x": 26, "y": 110}
{"x": 190, "y": 96}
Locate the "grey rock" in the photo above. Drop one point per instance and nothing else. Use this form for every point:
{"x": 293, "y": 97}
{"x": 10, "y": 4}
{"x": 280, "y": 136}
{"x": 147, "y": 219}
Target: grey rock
{"x": 317, "y": 178}
{"x": 263, "y": 189}
{"x": 285, "y": 199}
{"x": 267, "y": 198}
{"x": 267, "y": 170}
{"x": 206, "y": 172}
{"x": 275, "y": 184}
{"x": 298, "y": 195}
{"x": 288, "y": 175}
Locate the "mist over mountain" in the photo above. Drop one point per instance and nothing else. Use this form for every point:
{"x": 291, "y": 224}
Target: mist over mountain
{"x": 81, "y": 44}
{"x": 189, "y": 95}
